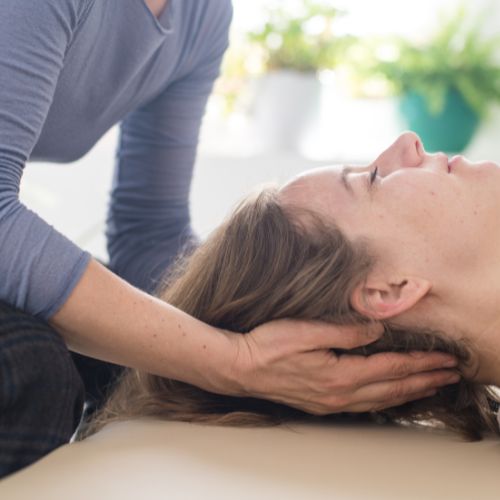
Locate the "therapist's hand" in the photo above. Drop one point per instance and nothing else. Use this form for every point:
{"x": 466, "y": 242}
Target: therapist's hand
{"x": 291, "y": 362}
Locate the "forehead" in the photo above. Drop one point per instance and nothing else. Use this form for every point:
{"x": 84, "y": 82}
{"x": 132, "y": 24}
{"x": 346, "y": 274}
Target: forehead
{"x": 317, "y": 189}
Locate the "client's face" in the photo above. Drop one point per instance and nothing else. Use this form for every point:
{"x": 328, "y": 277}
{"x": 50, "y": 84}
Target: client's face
{"x": 420, "y": 211}
{"x": 433, "y": 224}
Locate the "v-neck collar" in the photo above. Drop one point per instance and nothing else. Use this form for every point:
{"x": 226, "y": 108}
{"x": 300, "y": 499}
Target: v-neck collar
{"x": 163, "y": 23}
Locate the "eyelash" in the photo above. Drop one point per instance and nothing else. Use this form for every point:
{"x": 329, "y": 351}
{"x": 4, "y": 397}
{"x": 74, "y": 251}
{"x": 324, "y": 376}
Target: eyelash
{"x": 373, "y": 175}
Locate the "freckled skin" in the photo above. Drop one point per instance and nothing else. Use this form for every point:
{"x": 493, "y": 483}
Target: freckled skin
{"x": 416, "y": 207}
{"x": 425, "y": 220}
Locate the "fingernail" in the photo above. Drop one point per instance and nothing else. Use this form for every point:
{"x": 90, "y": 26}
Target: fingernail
{"x": 449, "y": 363}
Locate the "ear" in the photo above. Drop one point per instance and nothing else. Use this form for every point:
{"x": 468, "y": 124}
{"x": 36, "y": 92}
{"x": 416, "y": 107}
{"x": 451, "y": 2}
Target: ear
{"x": 380, "y": 298}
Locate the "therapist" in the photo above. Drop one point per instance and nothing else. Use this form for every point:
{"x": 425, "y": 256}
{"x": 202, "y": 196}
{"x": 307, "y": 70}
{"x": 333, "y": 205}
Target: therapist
{"x": 69, "y": 71}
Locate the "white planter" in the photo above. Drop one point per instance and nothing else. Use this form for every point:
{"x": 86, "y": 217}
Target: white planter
{"x": 286, "y": 102}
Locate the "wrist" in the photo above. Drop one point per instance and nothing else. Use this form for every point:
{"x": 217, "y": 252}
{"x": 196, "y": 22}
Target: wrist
{"x": 228, "y": 369}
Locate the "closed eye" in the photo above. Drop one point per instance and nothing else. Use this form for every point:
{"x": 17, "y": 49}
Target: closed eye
{"x": 372, "y": 177}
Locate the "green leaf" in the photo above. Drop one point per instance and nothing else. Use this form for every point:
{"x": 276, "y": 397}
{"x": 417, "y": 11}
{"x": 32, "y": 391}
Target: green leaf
{"x": 456, "y": 56}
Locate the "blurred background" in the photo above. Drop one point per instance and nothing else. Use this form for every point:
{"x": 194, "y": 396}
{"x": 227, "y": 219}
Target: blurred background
{"x": 307, "y": 83}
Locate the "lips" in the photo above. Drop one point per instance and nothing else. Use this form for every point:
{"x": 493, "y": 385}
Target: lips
{"x": 454, "y": 161}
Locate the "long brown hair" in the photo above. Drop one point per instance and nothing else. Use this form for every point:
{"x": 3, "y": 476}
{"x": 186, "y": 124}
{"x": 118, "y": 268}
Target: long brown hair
{"x": 269, "y": 261}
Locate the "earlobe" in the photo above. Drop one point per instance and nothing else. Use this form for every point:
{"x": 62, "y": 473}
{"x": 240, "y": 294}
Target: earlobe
{"x": 380, "y": 299}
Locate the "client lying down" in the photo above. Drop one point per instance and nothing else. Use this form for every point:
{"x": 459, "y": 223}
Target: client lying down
{"x": 410, "y": 241}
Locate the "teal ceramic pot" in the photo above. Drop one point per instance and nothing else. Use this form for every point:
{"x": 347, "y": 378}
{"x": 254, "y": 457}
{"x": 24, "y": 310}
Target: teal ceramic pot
{"x": 449, "y": 131}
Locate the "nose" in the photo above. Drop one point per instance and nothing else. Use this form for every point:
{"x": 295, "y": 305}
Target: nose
{"x": 412, "y": 153}
{"x": 406, "y": 151}
{"x": 410, "y": 149}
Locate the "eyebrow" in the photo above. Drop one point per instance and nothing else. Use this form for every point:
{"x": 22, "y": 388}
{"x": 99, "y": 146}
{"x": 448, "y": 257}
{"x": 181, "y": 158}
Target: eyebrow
{"x": 343, "y": 178}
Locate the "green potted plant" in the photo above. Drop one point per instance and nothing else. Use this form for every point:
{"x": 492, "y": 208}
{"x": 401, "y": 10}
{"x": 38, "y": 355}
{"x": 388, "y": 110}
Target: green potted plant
{"x": 446, "y": 83}
{"x": 293, "y": 47}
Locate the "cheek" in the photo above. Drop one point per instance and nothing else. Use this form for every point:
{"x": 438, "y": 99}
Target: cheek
{"x": 407, "y": 206}
{"x": 434, "y": 220}
{"x": 420, "y": 216}
{"x": 420, "y": 204}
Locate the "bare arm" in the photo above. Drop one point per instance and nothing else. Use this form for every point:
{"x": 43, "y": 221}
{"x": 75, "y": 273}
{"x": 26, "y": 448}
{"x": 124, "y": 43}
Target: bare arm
{"x": 286, "y": 361}
{"x": 109, "y": 319}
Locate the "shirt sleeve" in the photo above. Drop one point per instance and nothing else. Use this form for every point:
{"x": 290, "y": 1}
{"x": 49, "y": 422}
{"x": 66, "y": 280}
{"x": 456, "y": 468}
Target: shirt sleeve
{"x": 149, "y": 219}
{"x": 38, "y": 265}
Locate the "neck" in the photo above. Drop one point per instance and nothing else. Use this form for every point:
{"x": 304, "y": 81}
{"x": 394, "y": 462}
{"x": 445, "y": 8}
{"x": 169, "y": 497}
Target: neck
{"x": 156, "y": 6}
{"x": 467, "y": 311}
{"x": 475, "y": 318}
{"x": 487, "y": 347}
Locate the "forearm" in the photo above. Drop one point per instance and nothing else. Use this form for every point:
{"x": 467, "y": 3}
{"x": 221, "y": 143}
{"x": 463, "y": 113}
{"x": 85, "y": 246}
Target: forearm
{"x": 284, "y": 361}
{"x": 109, "y": 319}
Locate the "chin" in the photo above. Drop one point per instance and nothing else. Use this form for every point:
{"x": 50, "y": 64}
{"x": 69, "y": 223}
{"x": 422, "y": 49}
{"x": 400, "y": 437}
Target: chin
{"x": 458, "y": 162}
{"x": 485, "y": 163}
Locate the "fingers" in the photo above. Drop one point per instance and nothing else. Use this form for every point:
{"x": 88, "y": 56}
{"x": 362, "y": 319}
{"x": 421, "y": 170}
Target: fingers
{"x": 316, "y": 335}
{"x": 394, "y": 393}
{"x": 295, "y": 366}
{"x": 379, "y": 406}
{"x": 393, "y": 366}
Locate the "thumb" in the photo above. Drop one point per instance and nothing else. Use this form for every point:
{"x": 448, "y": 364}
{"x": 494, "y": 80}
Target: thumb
{"x": 328, "y": 336}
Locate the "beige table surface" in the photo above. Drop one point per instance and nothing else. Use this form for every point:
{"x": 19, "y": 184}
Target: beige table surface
{"x": 171, "y": 460}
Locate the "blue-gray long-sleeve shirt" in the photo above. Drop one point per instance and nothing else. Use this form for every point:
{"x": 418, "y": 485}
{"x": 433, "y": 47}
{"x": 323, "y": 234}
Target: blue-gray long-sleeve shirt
{"x": 70, "y": 70}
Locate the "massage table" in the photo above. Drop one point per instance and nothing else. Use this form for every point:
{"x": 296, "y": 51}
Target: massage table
{"x": 150, "y": 459}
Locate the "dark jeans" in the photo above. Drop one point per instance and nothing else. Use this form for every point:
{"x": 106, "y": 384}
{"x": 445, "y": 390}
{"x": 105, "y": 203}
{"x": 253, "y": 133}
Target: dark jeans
{"x": 41, "y": 392}
{"x": 42, "y": 389}
{"x": 98, "y": 378}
